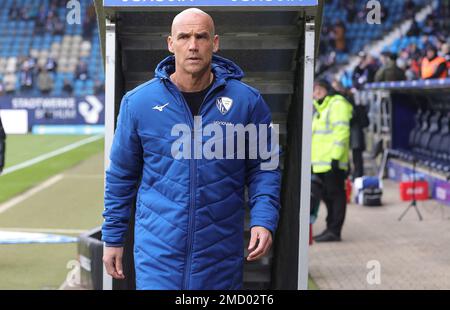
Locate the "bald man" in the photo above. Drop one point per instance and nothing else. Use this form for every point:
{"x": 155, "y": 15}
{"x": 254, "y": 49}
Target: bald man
{"x": 189, "y": 208}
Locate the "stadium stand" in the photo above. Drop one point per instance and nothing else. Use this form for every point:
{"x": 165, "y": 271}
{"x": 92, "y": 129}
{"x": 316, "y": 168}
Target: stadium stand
{"x": 35, "y": 37}
{"x": 346, "y": 31}
{"x": 408, "y": 51}
{"x": 390, "y": 68}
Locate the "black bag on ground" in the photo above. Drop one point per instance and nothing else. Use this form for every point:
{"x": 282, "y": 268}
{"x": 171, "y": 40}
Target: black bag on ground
{"x": 372, "y": 197}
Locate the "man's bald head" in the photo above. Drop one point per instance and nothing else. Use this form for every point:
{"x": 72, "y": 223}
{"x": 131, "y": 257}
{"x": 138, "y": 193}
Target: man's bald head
{"x": 193, "y": 16}
{"x": 193, "y": 42}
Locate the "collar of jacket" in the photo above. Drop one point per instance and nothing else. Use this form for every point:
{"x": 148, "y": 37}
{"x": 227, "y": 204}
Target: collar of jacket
{"x": 326, "y": 102}
{"x": 223, "y": 69}
{"x": 324, "y": 105}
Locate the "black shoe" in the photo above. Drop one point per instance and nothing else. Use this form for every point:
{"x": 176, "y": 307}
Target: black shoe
{"x": 328, "y": 237}
{"x": 320, "y": 235}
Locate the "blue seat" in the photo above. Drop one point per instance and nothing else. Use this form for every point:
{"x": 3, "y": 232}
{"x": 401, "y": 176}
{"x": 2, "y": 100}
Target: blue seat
{"x": 437, "y": 140}
{"x": 424, "y": 124}
{"x": 444, "y": 145}
{"x": 416, "y": 129}
{"x": 426, "y": 136}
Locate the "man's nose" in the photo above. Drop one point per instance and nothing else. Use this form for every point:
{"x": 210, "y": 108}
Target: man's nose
{"x": 193, "y": 44}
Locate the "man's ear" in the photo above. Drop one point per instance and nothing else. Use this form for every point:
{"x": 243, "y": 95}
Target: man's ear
{"x": 169, "y": 44}
{"x": 216, "y": 44}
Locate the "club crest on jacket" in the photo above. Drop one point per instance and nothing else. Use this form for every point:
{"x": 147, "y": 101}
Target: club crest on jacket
{"x": 224, "y": 104}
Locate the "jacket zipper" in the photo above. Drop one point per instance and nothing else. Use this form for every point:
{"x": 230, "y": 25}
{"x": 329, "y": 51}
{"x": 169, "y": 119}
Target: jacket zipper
{"x": 187, "y": 269}
{"x": 193, "y": 166}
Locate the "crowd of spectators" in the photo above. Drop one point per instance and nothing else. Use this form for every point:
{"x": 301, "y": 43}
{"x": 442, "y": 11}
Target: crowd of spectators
{"x": 431, "y": 61}
{"x": 28, "y": 73}
{"x": 334, "y": 39}
{"x": 45, "y": 17}
{"x": 426, "y": 56}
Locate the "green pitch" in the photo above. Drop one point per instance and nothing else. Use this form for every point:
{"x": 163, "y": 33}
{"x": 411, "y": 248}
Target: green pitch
{"x": 73, "y": 203}
{"x": 22, "y": 148}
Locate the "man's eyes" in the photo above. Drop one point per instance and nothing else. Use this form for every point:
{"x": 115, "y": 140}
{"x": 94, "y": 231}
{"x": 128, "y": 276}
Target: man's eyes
{"x": 198, "y": 37}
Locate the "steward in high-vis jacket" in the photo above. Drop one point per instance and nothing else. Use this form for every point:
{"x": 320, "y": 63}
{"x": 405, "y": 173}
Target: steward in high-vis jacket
{"x": 433, "y": 66}
{"x": 329, "y": 154}
{"x": 189, "y": 210}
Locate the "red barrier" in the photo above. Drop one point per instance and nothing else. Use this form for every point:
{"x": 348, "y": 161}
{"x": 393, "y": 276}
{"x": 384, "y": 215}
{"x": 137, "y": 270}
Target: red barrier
{"x": 420, "y": 190}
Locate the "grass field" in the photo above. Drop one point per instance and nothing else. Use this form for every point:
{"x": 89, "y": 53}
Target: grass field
{"x": 27, "y": 147}
{"x": 75, "y": 202}
{"x": 20, "y": 148}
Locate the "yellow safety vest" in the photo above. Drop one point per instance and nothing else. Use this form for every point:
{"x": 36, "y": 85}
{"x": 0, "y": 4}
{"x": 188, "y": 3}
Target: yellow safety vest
{"x": 331, "y": 133}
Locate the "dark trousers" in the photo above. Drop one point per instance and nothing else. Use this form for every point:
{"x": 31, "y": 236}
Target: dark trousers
{"x": 358, "y": 163}
{"x": 2, "y": 154}
{"x": 334, "y": 196}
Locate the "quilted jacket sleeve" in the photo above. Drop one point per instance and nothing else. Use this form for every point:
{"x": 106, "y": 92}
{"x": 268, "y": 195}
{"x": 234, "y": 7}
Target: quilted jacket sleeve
{"x": 122, "y": 177}
{"x": 263, "y": 176}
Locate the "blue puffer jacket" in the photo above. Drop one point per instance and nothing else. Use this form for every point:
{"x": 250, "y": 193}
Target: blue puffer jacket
{"x": 189, "y": 212}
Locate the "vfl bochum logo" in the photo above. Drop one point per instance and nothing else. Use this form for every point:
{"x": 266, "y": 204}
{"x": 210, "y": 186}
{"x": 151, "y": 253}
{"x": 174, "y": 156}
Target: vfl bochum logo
{"x": 224, "y": 104}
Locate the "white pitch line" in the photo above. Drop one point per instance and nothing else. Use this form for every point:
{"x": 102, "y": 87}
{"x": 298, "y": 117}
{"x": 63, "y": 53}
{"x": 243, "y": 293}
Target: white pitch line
{"x": 18, "y": 199}
{"x": 45, "y": 230}
{"x": 51, "y": 154}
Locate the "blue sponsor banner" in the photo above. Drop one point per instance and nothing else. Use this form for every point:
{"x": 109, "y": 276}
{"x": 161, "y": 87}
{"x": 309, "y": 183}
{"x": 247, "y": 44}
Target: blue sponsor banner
{"x": 417, "y": 84}
{"x": 87, "y": 110}
{"x": 243, "y": 3}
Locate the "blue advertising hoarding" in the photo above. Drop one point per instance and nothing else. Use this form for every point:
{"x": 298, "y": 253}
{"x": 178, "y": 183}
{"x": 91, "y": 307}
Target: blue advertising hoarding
{"x": 417, "y": 84}
{"x": 243, "y": 3}
{"x": 87, "y": 110}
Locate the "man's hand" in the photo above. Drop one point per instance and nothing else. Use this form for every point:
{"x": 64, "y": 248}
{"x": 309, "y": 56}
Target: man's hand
{"x": 112, "y": 258}
{"x": 260, "y": 243}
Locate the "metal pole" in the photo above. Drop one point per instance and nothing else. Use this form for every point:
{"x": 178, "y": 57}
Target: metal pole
{"x": 305, "y": 184}
{"x": 379, "y": 114}
{"x": 110, "y": 71}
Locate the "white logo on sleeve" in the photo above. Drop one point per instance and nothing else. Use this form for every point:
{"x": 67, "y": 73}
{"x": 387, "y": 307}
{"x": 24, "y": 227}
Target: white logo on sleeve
{"x": 224, "y": 104}
{"x": 160, "y": 107}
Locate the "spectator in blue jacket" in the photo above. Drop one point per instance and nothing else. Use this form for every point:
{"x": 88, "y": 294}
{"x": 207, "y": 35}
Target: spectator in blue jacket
{"x": 189, "y": 218}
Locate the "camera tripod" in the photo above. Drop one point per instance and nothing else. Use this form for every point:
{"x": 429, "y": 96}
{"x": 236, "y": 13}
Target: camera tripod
{"x": 413, "y": 203}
